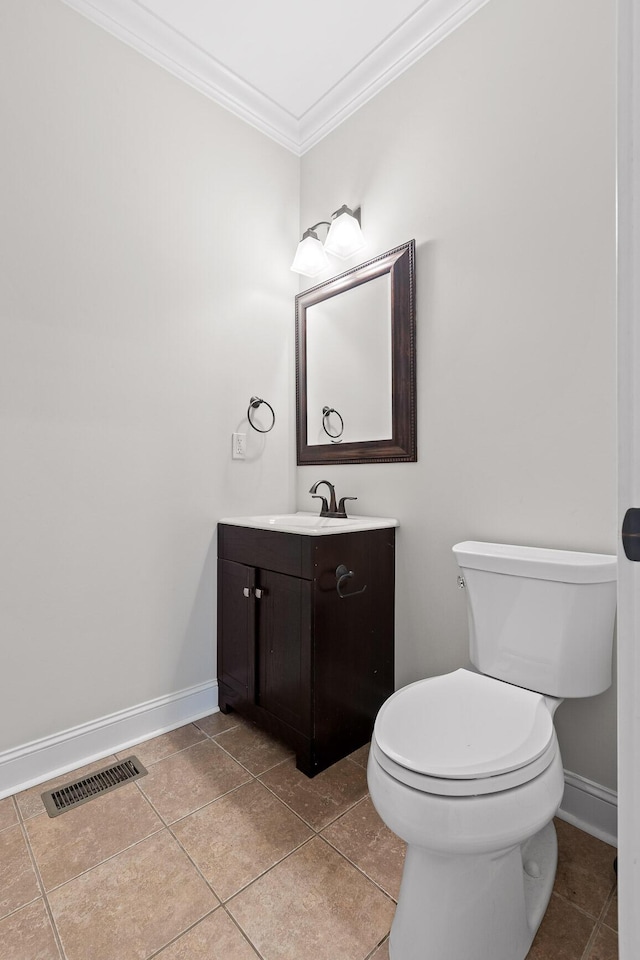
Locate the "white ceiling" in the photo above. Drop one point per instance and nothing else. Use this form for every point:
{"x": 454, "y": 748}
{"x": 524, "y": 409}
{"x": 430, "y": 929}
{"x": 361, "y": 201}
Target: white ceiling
{"x": 292, "y": 68}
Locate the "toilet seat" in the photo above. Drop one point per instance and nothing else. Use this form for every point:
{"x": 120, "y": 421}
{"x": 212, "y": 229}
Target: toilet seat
{"x": 464, "y": 734}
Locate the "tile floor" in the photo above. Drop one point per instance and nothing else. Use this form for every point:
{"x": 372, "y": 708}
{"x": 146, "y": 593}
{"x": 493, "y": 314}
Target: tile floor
{"x": 226, "y": 852}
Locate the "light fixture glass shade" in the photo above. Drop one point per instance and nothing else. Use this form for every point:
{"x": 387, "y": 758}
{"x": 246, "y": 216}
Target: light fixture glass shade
{"x": 345, "y": 236}
{"x": 310, "y": 258}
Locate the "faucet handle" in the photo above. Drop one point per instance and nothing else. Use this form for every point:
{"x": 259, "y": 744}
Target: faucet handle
{"x": 324, "y": 509}
{"x": 341, "y": 510}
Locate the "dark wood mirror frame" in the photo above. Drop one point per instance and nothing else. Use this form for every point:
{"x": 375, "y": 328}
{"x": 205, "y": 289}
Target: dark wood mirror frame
{"x": 399, "y": 263}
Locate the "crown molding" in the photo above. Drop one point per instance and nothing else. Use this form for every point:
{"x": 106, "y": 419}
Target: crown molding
{"x": 156, "y": 40}
{"x": 147, "y": 33}
{"x": 430, "y": 24}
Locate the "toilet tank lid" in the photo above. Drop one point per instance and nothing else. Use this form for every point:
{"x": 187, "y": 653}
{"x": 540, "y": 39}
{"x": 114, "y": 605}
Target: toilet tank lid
{"x": 539, "y": 563}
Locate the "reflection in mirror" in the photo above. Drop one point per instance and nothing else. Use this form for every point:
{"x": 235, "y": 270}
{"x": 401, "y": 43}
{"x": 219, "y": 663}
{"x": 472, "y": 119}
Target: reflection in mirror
{"x": 355, "y": 364}
{"x": 349, "y": 365}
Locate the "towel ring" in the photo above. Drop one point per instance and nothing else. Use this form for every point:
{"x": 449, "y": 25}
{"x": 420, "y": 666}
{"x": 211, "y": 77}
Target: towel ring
{"x": 254, "y": 403}
{"x": 326, "y": 411}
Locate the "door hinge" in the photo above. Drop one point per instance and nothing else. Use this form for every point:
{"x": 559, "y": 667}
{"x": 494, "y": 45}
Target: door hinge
{"x": 631, "y": 534}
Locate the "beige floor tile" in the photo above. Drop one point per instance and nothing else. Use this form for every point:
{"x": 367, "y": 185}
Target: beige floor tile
{"x": 361, "y": 755}
{"x": 323, "y": 798}
{"x": 313, "y": 904}
{"x": 563, "y": 933}
{"x": 187, "y": 780}
{"x": 239, "y": 836}
{"x": 585, "y": 873}
{"x": 8, "y": 816}
{"x": 361, "y": 836}
{"x": 217, "y": 723}
{"x": 140, "y": 900}
{"x": 611, "y": 916}
{"x": 605, "y": 945}
{"x": 253, "y": 748}
{"x": 214, "y": 938}
{"x": 27, "y": 935}
{"x": 29, "y": 801}
{"x": 18, "y": 884}
{"x": 67, "y": 845}
{"x": 150, "y": 751}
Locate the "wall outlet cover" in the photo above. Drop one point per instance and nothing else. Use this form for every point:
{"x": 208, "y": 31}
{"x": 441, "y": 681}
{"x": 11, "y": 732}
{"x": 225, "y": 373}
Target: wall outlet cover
{"x": 239, "y": 446}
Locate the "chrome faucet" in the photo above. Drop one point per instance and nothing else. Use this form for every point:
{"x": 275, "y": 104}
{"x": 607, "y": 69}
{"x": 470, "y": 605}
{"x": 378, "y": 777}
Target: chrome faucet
{"x": 330, "y": 509}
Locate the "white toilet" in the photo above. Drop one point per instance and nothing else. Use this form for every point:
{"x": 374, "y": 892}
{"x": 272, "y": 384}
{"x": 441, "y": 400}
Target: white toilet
{"x": 466, "y": 768}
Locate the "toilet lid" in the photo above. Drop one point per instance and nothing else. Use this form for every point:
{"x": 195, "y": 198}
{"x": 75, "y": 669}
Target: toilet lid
{"x": 463, "y": 725}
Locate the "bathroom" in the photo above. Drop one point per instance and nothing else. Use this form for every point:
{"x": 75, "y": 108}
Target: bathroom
{"x": 146, "y": 297}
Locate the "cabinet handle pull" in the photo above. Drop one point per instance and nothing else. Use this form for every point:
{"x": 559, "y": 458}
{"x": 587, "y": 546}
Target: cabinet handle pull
{"x": 246, "y": 591}
{"x": 260, "y": 593}
{"x": 342, "y": 575}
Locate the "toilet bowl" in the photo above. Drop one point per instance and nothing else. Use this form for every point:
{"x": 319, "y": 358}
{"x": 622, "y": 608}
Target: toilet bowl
{"x": 466, "y": 768}
{"x": 484, "y": 777}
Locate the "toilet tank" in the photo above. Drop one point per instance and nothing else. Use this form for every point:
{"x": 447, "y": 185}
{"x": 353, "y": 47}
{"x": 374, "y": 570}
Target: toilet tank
{"x": 541, "y": 619}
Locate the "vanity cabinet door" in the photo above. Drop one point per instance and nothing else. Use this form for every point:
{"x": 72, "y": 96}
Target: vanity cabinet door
{"x": 283, "y": 610}
{"x": 236, "y": 628}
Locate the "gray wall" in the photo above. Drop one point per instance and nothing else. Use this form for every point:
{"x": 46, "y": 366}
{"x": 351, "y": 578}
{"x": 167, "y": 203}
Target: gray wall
{"x": 496, "y": 152}
{"x": 144, "y": 297}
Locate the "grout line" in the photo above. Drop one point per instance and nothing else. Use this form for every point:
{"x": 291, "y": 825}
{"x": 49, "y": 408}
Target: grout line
{"x": 16, "y": 809}
{"x": 112, "y": 856}
{"x": 212, "y": 736}
{"x": 229, "y": 754}
{"x": 188, "y": 929}
{"x": 189, "y": 857}
{"x": 590, "y": 942}
{"x": 245, "y": 935}
{"x": 607, "y": 906}
{"x": 255, "y": 879}
{"x": 45, "y": 898}
{"x": 225, "y": 900}
{"x": 123, "y": 754}
{"x": 585, "y": 913}
{"x": 21, "y": 907}
{"x": 264, "y": 872}
{"x": 315, "y": 829}
{"x": 385, "y": 939}
{"x": 359, "y": 869}
{"x": 222, "y": 903}
{"x": 186, "y": 816}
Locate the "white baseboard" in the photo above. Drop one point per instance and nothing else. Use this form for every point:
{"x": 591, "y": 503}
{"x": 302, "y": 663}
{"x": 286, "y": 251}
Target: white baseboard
{"x": 41, "y": 760}
{"x": 587, "y": 805}
{"x": 590, "y": 807}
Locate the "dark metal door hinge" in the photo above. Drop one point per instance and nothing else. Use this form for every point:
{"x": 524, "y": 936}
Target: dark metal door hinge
{"x": 631, "y": 533}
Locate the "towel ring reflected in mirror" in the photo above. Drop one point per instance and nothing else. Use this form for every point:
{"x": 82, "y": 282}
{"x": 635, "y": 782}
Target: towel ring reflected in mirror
{"x": 254, "y": 403}
{"x": 326, "y": 413}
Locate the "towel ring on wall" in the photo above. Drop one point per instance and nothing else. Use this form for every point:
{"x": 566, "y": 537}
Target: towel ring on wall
{"x": 254, "y": 403}
{"x": 326, "y": 411}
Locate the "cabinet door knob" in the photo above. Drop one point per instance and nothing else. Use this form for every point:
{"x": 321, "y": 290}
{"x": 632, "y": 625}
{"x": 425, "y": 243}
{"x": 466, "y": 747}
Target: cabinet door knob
{"x": 260, "y": 593}
{"x": 246, "y": 591}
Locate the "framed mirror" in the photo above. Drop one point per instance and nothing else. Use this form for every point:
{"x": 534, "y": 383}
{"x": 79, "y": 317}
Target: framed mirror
{"x": 356, "y": 364}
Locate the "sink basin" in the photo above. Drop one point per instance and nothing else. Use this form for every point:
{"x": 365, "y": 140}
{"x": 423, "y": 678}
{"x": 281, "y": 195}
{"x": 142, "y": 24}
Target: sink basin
{"x": 311, "y": 524}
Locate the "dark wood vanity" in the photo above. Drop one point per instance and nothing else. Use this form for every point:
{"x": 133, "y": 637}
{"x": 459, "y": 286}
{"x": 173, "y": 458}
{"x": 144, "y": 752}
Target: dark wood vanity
{"x": 306, "y": 664}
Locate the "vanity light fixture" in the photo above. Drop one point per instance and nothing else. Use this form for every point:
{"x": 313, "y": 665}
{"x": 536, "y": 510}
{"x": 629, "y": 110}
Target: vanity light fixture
{"x": 344, "y": 238}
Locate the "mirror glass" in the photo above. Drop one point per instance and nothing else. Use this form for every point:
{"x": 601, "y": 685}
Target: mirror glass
{"x": 349, "y": 365}
{"x": 355, "y": 364}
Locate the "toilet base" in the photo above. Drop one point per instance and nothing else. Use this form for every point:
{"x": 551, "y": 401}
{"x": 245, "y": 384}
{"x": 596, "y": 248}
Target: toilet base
{"x": 473, "y": 907}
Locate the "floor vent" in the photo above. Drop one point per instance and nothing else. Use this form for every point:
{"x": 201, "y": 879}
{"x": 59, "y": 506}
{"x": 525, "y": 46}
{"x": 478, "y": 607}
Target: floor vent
{"x": 71, "y": 795}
